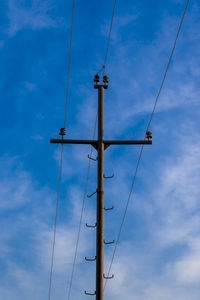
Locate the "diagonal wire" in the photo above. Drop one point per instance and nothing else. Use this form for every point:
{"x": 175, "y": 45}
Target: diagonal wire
{"x": 81, "y": 216}
{"x": 61, "y": 163}
{"x": 69, "y": 64}
{"x": 55, "y": 225}
{"x": 109, "y": 37}
{"x": 168, "y": 65}
{"x": 111, "y": 24}
{"x": 142, "y": 147}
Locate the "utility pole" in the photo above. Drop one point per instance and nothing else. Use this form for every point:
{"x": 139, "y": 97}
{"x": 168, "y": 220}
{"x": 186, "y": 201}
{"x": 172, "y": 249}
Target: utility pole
{"x": 100, "y": 146}
{"x": 100, "y": 192}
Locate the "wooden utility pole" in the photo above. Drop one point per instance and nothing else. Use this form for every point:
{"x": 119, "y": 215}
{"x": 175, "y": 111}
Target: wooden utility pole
{"x": 100, "y": 195}
{"x": 101, "y": 145}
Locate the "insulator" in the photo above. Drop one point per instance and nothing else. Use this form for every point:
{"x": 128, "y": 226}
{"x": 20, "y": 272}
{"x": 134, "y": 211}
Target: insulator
{"x": 96, "y": 78}
{"x": 62, "y": 131}
{"x": 149, "y": 135}
{"x": 105, "y": 79}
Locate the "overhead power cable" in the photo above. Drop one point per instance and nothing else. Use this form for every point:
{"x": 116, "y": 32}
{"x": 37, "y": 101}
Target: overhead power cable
{"x": 109, "y": 37}
{"x": 55, "y": 225}
{"x": 61, "y": 162}
{"x": 81, "y": 215}
{"x": 111, "y": 24}
{"x": 69, "y": 64}
{"x": 142, "y": 147}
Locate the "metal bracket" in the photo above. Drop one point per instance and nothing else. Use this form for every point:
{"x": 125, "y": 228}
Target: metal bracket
{"x": 89, "y": 196}
{"x": 108, "y": 177}
{"x": 94, "y": 159}
{"x": 90, "y": 259}
{"x": 108, "y": 277}
{"x": 106, "y": 146}
{"x": 109, "y": 208}
{"x": 91, "y": 226}
{"x": 95, "y": 145}
{"x": 108, "y": 243}
{"x": 90, "y": 294}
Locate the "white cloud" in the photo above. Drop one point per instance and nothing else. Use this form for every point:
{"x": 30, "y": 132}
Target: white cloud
{"x": 37, "y": 137}
{"x": 118, "y": 23}
{"x": 187, "y": 269}
{"x": 34, "y": 17}
{"x": 164, "y": 264}
{"x": 17, "y": 187}
{"x": 27, "y": 235}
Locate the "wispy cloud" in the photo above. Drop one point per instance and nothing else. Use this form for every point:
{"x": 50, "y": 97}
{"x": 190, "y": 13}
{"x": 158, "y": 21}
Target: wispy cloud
{"x": 166, "y": 264}
{"x": 37, "y": 137}
{"x": 28, "y": 208}
{"x": 35, "y": 16}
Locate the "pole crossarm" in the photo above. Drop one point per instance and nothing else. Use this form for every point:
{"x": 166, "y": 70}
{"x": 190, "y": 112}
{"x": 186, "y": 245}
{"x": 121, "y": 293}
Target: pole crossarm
{"x": 106, "y": 143}
{"x": 94, "y": 143}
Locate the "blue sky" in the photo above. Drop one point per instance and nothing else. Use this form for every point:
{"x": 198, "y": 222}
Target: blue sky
{"x": 159, "y": 252}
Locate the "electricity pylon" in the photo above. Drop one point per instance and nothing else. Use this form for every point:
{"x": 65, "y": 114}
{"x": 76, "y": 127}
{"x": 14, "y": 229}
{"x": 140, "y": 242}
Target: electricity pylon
{"x": 100, "y": 146}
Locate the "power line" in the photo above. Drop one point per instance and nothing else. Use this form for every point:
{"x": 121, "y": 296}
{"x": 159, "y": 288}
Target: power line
{"x": 81, "y": 216}
{"x": 69, "y": 64}
{"x": 142, "y": 147}
{"x": 109, "y": 37}
{"x": 61, "y": 162}
{"x": 169, "y": 62}
{"x": 55, "y": 225}
{"x": 111, "y": 24}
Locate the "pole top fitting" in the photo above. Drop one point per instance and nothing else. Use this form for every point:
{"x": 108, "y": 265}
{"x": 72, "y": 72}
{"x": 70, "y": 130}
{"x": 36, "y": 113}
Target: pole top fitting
{"x": 105, "y": 79}
{"x": 97, "y": 80}
{"x": 62, "y": 132}
{"x": 148, "y": 135}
